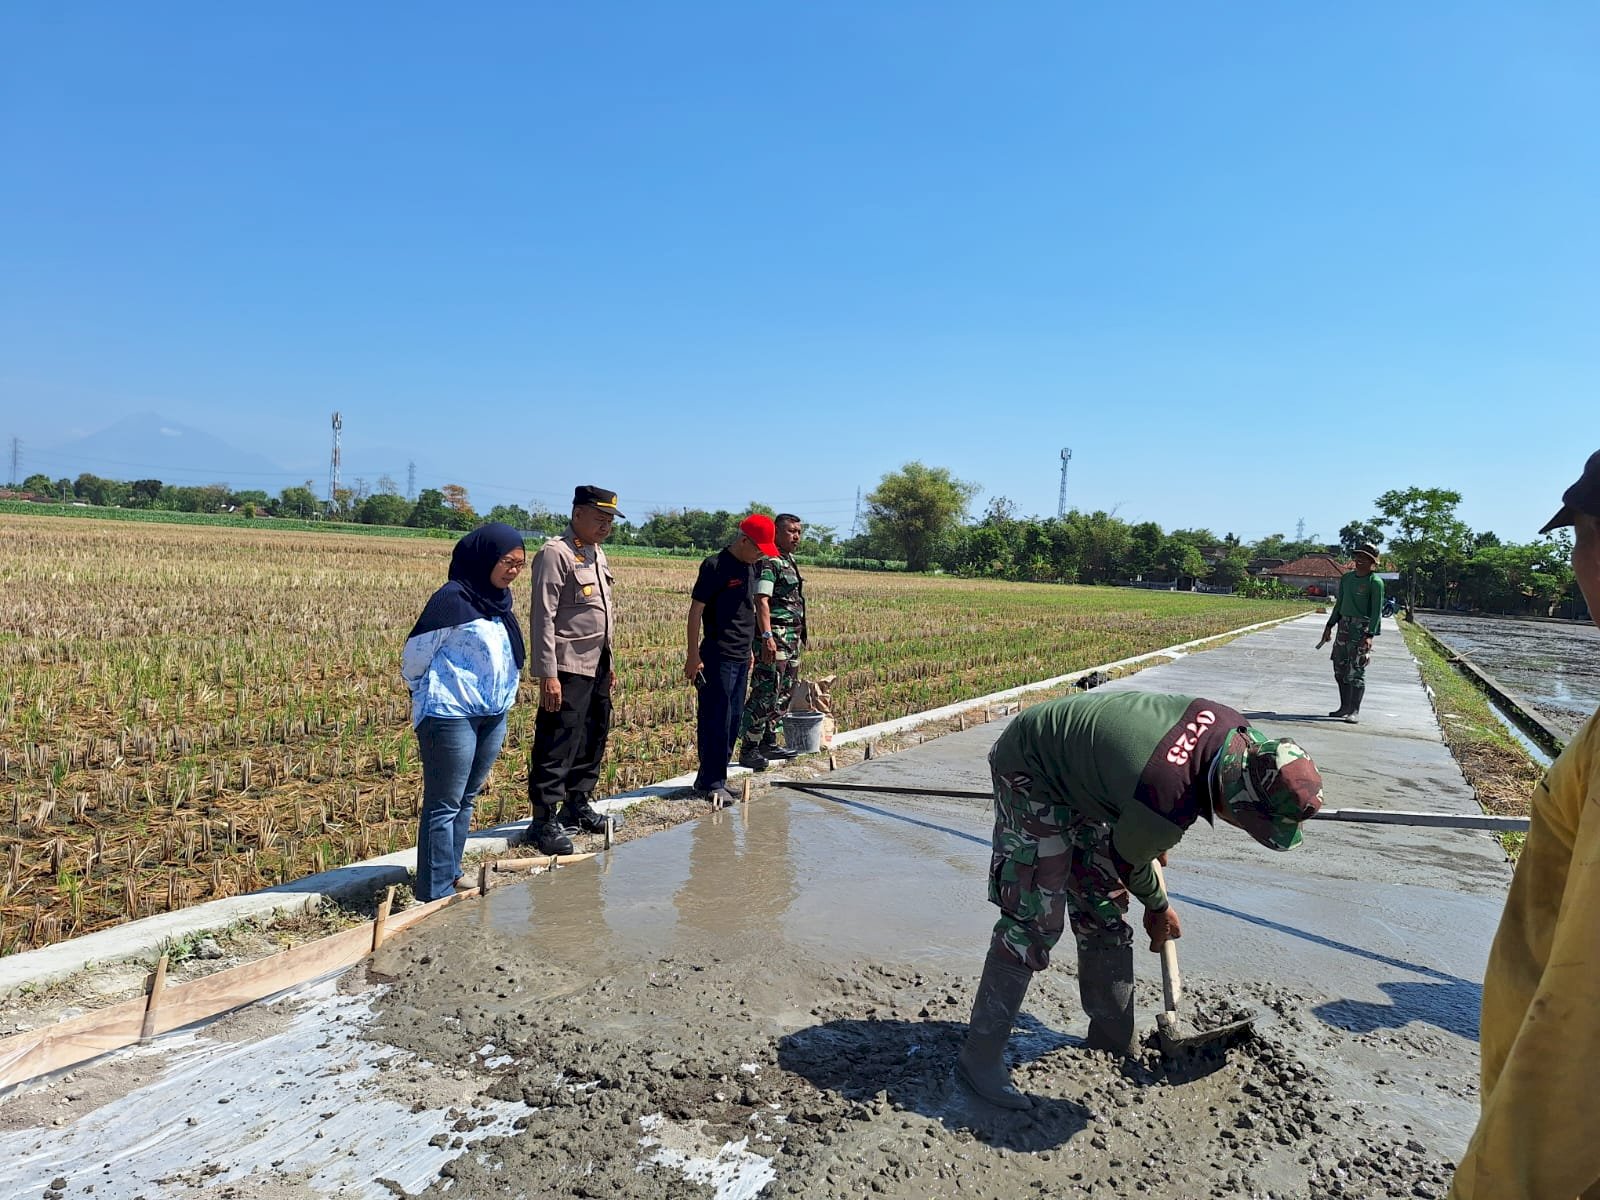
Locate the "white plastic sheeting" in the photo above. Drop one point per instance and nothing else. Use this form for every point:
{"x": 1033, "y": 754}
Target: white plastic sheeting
{"x": 311, "y": 1105}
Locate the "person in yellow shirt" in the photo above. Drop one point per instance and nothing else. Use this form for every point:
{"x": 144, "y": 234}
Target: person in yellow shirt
{"x": 1538, "y": 1135}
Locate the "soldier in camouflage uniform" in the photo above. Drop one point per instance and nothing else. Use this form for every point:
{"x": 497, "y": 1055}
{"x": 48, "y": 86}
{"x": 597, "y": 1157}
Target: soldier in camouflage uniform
{"x": 1090, "y": 790}
{"x": 1356, "y": 619}
{"x": 781, "y": 627}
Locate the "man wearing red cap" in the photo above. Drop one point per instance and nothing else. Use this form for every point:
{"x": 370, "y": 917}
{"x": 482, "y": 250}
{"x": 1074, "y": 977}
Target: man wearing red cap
{"x": 1538, "y": 1137}
{"x": 721, "y": 647}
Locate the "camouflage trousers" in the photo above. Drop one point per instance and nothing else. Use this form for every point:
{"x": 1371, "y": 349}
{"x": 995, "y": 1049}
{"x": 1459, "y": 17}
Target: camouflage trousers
{"x": 1049, "y": 862}
{"x": 771, "y": 687}
{"x": 1352, "y": 648}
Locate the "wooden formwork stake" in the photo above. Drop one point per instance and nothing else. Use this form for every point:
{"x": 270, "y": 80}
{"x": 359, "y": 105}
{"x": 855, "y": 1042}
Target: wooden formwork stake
{"x": 546, "y": 862}
{"x": 868, "y": 753}
{"x": 381, "y": 921}
{"x": 744, "y": 793}
{"x": 833, "y": 763}
{"x": 961, "y": 719}
{"x": 611, "y": 831}
{"x": 158, "y": 984}
{"x": 483, "y": 879}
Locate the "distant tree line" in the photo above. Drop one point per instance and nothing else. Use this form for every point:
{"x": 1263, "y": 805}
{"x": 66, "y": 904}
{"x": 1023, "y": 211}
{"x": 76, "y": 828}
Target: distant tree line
{"x": 917, "y": 519}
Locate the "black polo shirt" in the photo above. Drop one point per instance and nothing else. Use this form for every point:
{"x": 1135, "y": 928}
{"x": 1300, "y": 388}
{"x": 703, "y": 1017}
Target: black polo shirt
{"x": 727, "y": 588}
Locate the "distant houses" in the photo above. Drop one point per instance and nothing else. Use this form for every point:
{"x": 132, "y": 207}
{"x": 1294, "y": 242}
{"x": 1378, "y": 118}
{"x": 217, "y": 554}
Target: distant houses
{"x": 1316, "y": 574}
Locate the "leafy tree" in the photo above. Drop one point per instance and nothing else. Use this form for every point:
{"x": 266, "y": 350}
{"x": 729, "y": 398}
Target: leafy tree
{"x": 299, "y": 501}
{"x": 144, "y": 493}
{"x": 1181, "y": 559}
{"x": 513, "y": 515}
{"x": 1276, "y": 545}
{"x": 430, "y": 511}
{"x": 38, "y": 483}
{"x": 1144, "y": 549}
{"x": 917, "y": 507}
{"x": 461, "y": 514}
{"x": 384, "y": 508}
{"x": 1428, "y": 538}
{"x": 92, "y": 489}
{"x": 1359, "y": 533}
{"x": 1232, "y": 569}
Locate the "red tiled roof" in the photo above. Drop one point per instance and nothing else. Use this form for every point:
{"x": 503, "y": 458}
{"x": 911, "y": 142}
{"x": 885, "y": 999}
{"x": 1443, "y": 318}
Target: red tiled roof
{"x": 1312, "y": 566}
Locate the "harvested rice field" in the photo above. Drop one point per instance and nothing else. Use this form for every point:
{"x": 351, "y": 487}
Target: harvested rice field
{"x": 192, "y": 712}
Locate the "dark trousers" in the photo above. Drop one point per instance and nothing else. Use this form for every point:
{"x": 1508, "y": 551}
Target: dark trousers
{"x": 721, "y": 709}
{"x": 569, "y": 744}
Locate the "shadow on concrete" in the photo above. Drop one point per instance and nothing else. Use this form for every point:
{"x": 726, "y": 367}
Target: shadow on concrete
{"x": 911, "y": 1062}
{"x": 1320, "y": 940}
{"x": 1452, "y": 1007}
{"x": 1312, "y": 718}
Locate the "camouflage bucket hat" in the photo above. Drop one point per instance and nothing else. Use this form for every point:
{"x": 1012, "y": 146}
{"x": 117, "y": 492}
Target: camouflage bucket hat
{"x": 1273, "y": 789}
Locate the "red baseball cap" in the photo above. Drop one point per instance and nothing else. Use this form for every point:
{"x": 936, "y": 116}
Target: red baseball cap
{"x": 759, "y": 529}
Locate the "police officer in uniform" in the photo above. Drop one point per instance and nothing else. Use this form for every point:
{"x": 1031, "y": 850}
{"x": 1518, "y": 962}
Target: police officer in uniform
{"x": 569, "y": 654}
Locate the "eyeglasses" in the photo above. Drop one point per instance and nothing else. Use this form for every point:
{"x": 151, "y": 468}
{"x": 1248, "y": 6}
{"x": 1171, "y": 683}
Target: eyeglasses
{"x": 512, "y": 564}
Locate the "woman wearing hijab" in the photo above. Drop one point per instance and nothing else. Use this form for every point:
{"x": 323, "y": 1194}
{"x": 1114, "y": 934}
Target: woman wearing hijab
{"x": 462, "y": 662}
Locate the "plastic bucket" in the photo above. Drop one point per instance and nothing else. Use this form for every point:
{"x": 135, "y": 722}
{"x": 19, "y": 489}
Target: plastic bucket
{"x": 802, "y": 732}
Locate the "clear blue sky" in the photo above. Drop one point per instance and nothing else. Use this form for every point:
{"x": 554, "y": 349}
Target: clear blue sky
{"x": 1253, "y": 263}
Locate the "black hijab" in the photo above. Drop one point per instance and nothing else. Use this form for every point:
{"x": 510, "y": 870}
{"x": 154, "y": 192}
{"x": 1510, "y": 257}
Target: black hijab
{"x": 469, "y": 595}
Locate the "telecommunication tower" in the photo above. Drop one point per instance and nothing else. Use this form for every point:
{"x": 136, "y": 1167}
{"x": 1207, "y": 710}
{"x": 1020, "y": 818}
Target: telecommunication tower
{"x": 333, "y": 466}
{"x": 16, "y": 460}
{"x": 411, "y": 481}
{"x": 1061, "y": 504}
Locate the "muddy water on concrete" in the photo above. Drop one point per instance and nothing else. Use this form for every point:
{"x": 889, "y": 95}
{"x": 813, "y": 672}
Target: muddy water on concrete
{"x": 778, "y": 993}
{"x": 1553, "y": 664}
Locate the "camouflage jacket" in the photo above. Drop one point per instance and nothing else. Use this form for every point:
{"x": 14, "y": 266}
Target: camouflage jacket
{"x": 781, "y": 583}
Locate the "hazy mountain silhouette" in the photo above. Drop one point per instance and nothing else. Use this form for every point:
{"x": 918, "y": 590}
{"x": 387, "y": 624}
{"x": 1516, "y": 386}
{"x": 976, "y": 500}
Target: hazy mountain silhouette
{"x": 148, "y": 446}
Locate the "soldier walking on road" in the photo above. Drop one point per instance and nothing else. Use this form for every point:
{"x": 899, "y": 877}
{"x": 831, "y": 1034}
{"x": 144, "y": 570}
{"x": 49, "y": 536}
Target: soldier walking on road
{"x": 1358, "y": 617}
{"x": 781, "y": 630}
{"x": 1538, "y": 1137}
{"x": 570, "y": 636}
{"x": 1089, "y": 791}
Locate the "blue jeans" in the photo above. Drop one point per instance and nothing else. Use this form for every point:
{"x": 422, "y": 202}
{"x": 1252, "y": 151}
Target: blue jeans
{"x": 456, "y": 754}
{"x": 721, "y": 710}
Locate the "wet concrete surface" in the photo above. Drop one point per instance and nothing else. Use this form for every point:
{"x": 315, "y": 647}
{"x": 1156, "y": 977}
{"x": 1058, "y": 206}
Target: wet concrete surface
{"x": 1553, "y": 665}
{"x": 767, "y": 1001}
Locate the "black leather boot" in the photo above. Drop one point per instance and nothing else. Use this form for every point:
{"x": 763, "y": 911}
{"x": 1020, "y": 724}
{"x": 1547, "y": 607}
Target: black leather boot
{"x": 1344, "y": 699}
{"x": 1356, "y": 693}
{"x": 550, "y": 837}
{"x": 773, "y": 752}
{"x": 578, "y": 813}
{"x": 1105, "y": 988}
{"x": 750, "y": 758}
{"x": 981, "y": 1065}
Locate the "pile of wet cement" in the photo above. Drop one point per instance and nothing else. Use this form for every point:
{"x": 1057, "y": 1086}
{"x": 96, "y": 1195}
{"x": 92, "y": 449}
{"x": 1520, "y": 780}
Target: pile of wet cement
{"x": 843, "y": 1081}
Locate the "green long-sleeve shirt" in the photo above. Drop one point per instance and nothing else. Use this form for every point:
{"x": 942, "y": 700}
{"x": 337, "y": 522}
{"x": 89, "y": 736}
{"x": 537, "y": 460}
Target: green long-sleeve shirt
{"x": 1137, "y": 761}
{"x": 1360, "y": 596}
